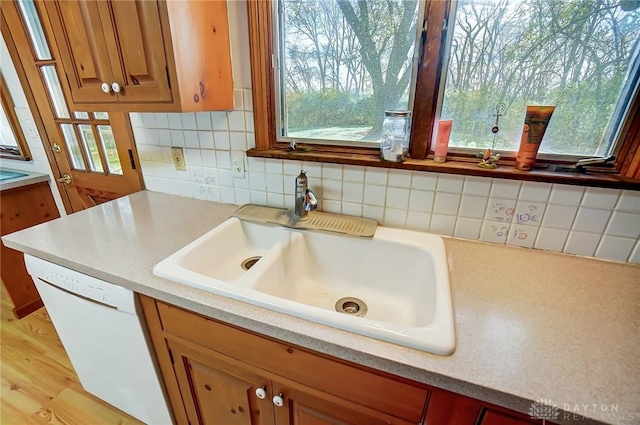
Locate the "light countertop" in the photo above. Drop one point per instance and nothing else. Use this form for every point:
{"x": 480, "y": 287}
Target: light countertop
{"x": 530, "y": 325}
{"x": 27, "y": 178}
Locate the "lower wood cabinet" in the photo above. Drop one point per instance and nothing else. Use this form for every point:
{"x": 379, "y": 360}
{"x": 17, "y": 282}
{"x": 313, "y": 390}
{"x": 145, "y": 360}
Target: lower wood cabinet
{"x": 23, "y": 207}
{"x": 216, "y": 374}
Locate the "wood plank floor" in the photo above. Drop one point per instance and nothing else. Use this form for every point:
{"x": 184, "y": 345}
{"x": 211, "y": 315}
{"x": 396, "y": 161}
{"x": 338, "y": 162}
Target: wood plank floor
{"x": 39, "y": 385}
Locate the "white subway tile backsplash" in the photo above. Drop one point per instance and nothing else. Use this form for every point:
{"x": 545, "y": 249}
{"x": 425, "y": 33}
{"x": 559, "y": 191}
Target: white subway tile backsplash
{"x": 203, "y": 120}
{"x": 442, "y": 224}
{"x": 598, "y": 197}
{"x": 221, "y": 140}
{"x": 373, "y": 212}
{"x": 635, "y": 254}
{"x": 494, "y": 231}
{"x": 562, "y": 194}
{"x": 219, "y": 121}
{"x": 521, "y": 235}
{"x": 450, "y": 183}
{"x": 352, "y": 209}
{"x": 395, "y": 217}
{"x": 205, "y": 138}
{"x": 400, "y": 178}
{"x": 375, "y": 195}
{"x": 424, "y": 181}
{"x": 397, "y": 198}
{"x": 175, "y": 121}
{"x": 189, "y": 121}
{"x": 332, "y": 171}
{"x": 446, "y": 203}
{"x": 467, "y": 228}
{"x": 591, "y": 220}
{"x": 421, "y": 200}
{"x": 559, "y": 216}
{"x": 376, "y": 176}
{"x": 352, "y": 192}
{"x": 353, "y": 173}
{"x": 505, "y": 188}
{"x": 191, "y": 139}
{"x": 551, "y": 239}
{"x": 625, "y": 224}
{"x": 615, "y": 248}
{"x": 629, "y": 201}
{"x": 479, "y": 186}
{"x": 418, "y": 221}
{"x": 529, "y": 213}
{"x": 533, "y": 191}
{"x": 581, "y": 243}
{"x": 472, "y": 207}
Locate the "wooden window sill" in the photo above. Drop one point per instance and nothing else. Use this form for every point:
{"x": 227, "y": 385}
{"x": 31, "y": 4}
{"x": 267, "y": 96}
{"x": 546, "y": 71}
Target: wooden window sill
{"x": 464, "y": 166}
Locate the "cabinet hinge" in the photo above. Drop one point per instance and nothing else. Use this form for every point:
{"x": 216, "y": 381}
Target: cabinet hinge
{"x": 133, "y": 162}
{"x": 166, "y": 69}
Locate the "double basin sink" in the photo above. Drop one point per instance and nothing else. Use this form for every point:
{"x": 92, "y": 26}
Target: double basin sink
{"x": 393, "y": 286}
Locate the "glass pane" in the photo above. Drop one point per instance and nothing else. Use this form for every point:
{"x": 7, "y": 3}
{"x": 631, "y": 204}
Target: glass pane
{"x": 73, "y": 147}
{"x": 343, "y": 64}
{"x": 55, "y": 91}
{"x": 7, "y": 138}
{"x": 32, "y": 20}
{"x": 567, "y": 53}
{"x": 91, "y": 147}
{"x": 81, "y": 115}
{"x": 101, "y": 115}
{"x": 109, "y": 146}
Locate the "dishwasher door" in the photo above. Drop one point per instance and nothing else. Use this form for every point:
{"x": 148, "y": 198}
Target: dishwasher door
{"x": 108, "y": 347}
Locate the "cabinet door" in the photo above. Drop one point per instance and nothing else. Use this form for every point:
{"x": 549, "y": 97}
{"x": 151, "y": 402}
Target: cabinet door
{"x": 217, "y": 392}
{"x": 78, "y": 30}
{"x": 137, "y": 51}
{"x": 306, "y": 406}
{"x": 492, "y": 417}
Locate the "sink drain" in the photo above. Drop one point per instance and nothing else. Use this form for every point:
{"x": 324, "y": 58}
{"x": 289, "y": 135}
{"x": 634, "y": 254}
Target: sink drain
{"x": 351, "y": 306}
{"x": 249, "y": 262}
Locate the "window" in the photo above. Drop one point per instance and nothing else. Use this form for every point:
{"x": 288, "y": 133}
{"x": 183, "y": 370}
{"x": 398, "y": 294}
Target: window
{"x": 338, "y": 64}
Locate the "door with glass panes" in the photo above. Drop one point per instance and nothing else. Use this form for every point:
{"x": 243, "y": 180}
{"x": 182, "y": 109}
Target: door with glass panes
{"x": 92, "y": 154}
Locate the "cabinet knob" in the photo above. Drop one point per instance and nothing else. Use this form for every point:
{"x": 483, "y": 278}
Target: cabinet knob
{"x": 261, "y": 393}
{"x": 278, "y": 400}
{"x": 115, "y": 87}
{"x": 106, "y": 87}
{"x": 56, "y": 148}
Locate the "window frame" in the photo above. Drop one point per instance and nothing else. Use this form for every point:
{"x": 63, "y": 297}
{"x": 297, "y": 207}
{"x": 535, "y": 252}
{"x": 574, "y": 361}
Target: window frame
{"x": 626, "y": 171}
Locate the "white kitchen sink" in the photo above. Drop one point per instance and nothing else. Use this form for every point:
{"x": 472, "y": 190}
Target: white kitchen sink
{"x": 393, "y": 287}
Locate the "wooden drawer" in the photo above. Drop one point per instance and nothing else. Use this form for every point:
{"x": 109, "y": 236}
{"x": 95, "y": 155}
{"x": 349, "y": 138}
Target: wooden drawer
{"x": 377, "y": 390}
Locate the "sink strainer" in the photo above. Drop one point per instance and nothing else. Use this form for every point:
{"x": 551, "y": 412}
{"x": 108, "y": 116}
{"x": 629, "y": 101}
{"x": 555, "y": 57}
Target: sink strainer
{"x": 249, "y": 262}
{"x": 351, "y": 306}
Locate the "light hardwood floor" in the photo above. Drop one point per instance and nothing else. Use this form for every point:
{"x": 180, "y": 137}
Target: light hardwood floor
{"x": 39, "y": 385}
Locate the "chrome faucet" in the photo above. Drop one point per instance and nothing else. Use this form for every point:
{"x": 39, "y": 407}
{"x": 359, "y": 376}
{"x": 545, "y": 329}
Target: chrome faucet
{"x": 305, "y": 199}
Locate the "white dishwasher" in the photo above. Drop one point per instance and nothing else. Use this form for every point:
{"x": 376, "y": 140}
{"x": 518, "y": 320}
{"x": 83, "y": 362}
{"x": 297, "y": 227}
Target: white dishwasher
{"x": 101, "y": 329}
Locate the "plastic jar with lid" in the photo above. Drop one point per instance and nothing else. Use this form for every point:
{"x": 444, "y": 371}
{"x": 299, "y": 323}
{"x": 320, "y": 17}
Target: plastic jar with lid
{"x": 396, "y": 129}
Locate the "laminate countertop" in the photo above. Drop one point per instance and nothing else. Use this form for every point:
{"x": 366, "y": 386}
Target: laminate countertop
{"x": 530, "y": 325}
{"x": 11, "y": 179}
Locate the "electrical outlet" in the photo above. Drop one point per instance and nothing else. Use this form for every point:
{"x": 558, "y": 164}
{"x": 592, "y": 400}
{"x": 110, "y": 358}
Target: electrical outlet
{"x": 237, "y": 164}
{"x": 178, "y": 159}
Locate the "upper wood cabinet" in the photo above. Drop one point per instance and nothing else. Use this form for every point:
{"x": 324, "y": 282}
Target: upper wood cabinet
{"x": 140, "y": 55}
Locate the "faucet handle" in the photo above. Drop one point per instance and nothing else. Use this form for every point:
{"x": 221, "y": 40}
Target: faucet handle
{"x": 310, "y": 201}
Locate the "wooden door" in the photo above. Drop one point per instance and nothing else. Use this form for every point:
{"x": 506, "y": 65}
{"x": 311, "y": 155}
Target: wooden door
{"x": 137, "y": 51}
{"x": 78, "y": 30}
{"x": 217, "y": 391}
{"x": 303, "y": 405}
{"x": 92, "y": 154}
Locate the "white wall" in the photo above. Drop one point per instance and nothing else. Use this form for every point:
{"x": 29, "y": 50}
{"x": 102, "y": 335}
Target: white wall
{"x": 586, "y": 221}
{"x": 39, "y": 162}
